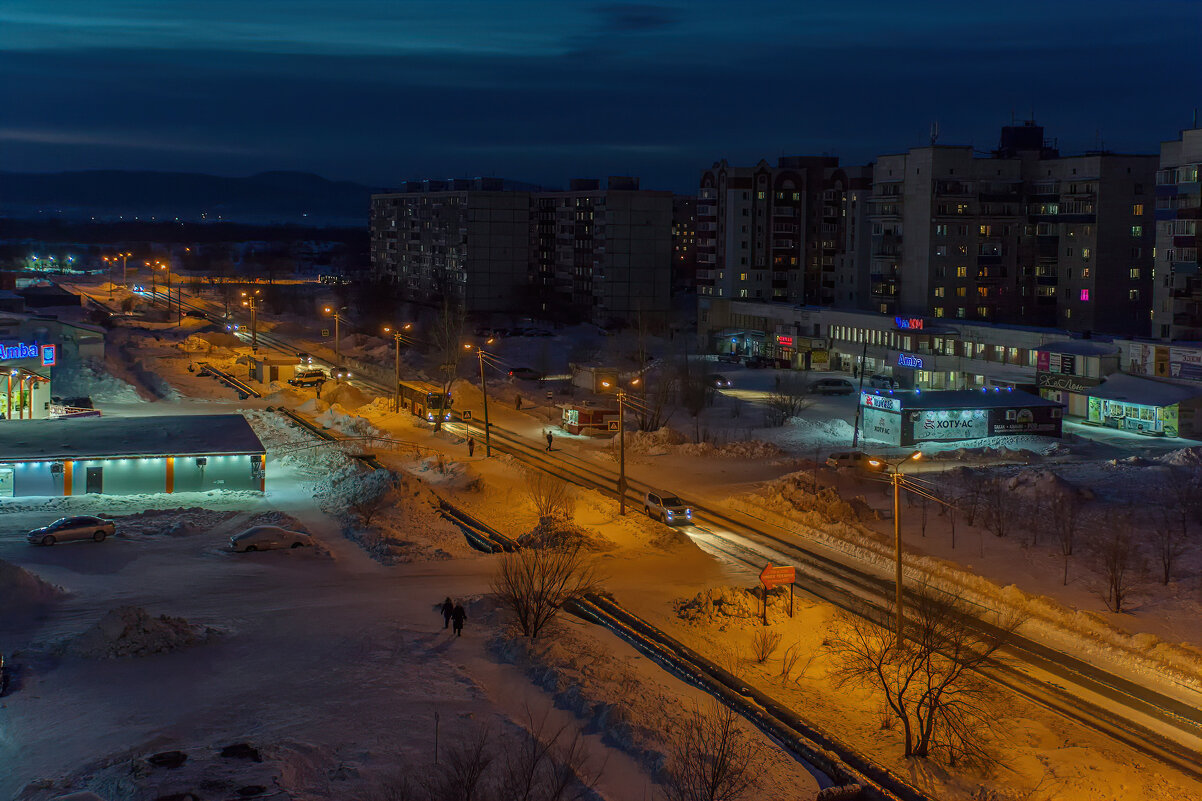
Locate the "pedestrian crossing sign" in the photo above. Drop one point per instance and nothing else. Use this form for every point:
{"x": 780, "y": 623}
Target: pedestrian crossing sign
{"x": 613, "y": 425}
{"x": 466, "y": 414}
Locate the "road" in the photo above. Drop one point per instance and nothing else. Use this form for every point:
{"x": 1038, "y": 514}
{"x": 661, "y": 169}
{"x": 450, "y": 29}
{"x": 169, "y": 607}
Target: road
{"x": 1151, "y": 721}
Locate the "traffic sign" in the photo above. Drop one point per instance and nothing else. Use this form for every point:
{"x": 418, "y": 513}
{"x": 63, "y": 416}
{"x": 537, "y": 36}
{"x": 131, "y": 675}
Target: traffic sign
{"x": 613, "y": 425}
{"x": 466, "y": 414}
{"x": 325, "y": 332}
{"x": 777, "y": 576}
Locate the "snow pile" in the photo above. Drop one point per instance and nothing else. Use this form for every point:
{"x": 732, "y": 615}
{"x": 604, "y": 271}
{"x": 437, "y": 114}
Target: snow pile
{"x": 19, "y": 587}
{"x": 313, "y": 406}
{"x": 131, "y": 631}
{"x": 984, "y": 453}
{"x": 802, "y": 433}
{"x": 171, "y": 522}
{"x": 719, "y": 603}
{"x": 796, "y": 496}
{"x": 339, "y": 419}
{"x": 90, "y": 379}
{"x": 737, "y": 449}
{"x": 1185, "y": 457}
{"x": 344, "y": 395}
{"x": 651, "y": 443}
{"x": 218, "y": 343}
{"x": 554, "y": 532}
{"x": 1044, "y": 484}
{"x": 437, "y": 471}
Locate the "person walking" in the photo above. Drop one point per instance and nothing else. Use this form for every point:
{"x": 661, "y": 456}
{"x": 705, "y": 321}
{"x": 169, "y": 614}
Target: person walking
{"x": 550, "y": 439}
{"x": 458, "y": 615}
{"x": 448, "y": 609}
{"x": 471, "y": 446}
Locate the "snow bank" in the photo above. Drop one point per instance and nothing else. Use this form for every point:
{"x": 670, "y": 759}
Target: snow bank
{"x": 670, "y": 441}
{"x": 554, "y": 532}
{"x": 796, "y": 496}
{"x": 90, "y": 379}
{"x": 313, "y": 406}
{"x": 131, "y": 631}
{"x": 718, "y": 603}
{"x": 339, "y": 419}
{"x": 171, "y": 522}
{"x": 20, "y": 587}
{"x": 1185, "y": 457}
{"x": 344, "y": 395}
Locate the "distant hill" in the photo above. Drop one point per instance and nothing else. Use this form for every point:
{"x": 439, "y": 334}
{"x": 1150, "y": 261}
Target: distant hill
{"x": 265, "y": 198}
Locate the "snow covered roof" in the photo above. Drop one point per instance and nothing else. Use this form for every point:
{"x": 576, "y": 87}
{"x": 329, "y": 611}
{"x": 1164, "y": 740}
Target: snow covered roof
{"x": 967, "y": 399}
{"x": 1146, "y": 391}
{"x": 1081, "y": 347}
{"x": 101, "y": 437}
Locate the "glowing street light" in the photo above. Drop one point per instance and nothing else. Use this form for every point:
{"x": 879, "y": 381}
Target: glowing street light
{"x": 480, "y": 352}
{"x": 337, "y": 314}
{"x": 252, "y": 302}
{"x": 895, "y": 476}
{"x": 397, "y": 336}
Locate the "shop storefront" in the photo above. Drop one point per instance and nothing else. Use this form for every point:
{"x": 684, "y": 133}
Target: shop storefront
{"x": 1145, "y": 406}
{"x": 25, "y": 379}
{"x": 908, "y": 418}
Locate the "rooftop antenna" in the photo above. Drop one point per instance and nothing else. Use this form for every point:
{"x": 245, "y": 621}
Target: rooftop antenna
{"x": 934, "y": 132}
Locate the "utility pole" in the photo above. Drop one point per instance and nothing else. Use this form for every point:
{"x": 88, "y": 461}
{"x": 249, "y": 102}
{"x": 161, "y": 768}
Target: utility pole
{"x": 252, "y": 302}
{"x": 621, "y": 452}
{"x": 337, "y": 313}
{"x": 855, "y": 434}
{"x": 484, "y": 390}
{"x": 897, "y": 546}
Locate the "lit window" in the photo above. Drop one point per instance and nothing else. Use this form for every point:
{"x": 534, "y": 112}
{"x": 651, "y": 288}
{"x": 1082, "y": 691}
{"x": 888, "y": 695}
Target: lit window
{"x": 1133, "y": 294}
{"x": 1084, "y": 272}
{"x": 1133, "y": 272}
{"x": 986, "y": 230}
{"x": 1085, "y": 254}
{"x": 938, "y": 311}
{"x": 1137, "y": 210}
{"x": 961, "y": 272}
{"x": 938, "y": 291}
{"x": 1084, "y": 294}
{"x": 1137, "y": 230}
{"x": 961, "y": 291}
{"x": 742, "y": 276}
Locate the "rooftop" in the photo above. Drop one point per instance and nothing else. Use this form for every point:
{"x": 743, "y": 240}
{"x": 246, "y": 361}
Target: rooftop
{"x": 992, "y": 398}
{"x": 102, "y": 437}
{"x": 1145, "y": 391}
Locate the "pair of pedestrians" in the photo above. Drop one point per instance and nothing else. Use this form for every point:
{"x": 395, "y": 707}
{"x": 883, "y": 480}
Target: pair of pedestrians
{"x": 453, "y": 613}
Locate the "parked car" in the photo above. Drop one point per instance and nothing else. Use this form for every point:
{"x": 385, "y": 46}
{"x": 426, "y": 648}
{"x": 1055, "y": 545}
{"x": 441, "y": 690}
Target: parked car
{"x": 728, "y": 358}
{"x": 857, "y": 460}
{"x": 84, "y": 527}
{"x": 265, "y": 538}
{"x": 879, "y": 381}
{"x": 832, "y": 386}
{"x": 667, "y": 508}
{"x": 717, "y": 381}
{"x": 309, "y": 378}
{"x": 197, "y": 313}
{"x": 525, "y": 373}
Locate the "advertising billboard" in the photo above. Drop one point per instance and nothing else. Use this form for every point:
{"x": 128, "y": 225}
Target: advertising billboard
{"x": 950, "y": 424}
{"x": 882, "y": 426}
{"x": 886, "y": 403}
{"x": 1185, "y": 363}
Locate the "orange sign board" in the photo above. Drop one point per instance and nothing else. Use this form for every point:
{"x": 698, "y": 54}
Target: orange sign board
{"x": 778, "y": 575}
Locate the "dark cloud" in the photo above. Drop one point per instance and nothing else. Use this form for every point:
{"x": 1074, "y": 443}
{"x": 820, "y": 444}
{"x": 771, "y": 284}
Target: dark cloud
{"x": 663, "y": 102}
{"x": 637, "y": 17}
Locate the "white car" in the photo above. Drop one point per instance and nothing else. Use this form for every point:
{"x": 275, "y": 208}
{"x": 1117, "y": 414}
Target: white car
{"x": 263, "y": 538}
{"x": 84, "y": 527}
{"x": 667, "y": 508}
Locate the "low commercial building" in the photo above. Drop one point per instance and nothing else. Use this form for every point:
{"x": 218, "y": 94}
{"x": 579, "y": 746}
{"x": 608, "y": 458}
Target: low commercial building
{"x": 130, "y": 456}
{"x": 909, "y": 418}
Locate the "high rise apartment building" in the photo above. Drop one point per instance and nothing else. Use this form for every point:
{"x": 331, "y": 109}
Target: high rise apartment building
{"x": 465, "y": 239}
{"x": 1177, "y": 291}
{"x": 1025, "y": 236}
{"x": 684, "y": 243}
{"x": 590, "y": 253}
{"x": 605, "y": 254}
{"x": 771, "y": 233}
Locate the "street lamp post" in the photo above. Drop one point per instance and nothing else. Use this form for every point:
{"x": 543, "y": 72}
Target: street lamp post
{"x": 337, "y": 313}
{"x": 124, "y": 268}
{"x": 111, "y": 262}
{"x": 252, "y": 301}
{"x": 484, "y": 392}
{"x": 895, "y": 477}
{"x": 397, "y": 336}
{"x": 621, "y": 395}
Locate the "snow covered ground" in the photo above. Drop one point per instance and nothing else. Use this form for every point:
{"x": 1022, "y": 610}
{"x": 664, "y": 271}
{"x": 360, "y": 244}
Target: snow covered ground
{"x": 359, "y": 618}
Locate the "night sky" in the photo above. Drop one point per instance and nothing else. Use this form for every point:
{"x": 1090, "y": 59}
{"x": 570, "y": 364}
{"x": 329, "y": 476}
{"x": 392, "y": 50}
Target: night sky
{"x": 382, "y": 90}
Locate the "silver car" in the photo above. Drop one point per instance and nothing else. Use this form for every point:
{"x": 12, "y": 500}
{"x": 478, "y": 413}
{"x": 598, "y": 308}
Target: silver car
{"x": 667, "y": 508}
{"x": 84, "y": 527}
{"x": 263, "y": 538}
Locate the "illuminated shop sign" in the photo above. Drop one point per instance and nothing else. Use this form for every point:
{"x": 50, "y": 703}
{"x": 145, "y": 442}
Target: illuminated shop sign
{"x": 784, "y": 341}
{"x": 908, "y": 323}
{"x": 882, "y": 402}
{"x": 951, "y": 424}
{"x": 29, "y": 350}
{"x": 906, "y": 360}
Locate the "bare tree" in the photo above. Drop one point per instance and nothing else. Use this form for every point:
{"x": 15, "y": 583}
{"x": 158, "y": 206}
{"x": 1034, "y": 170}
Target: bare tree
{"x": 931, "y": 679}
{"x": 764, "y": 644}
{"x": 997, "y": 507}
{"x": 1169, "y": 542}
{"x": 695, "y": 393}
{"x": 446, "y": 343}
{"x": 371, "y": 494}
{"x": 972, "y": 486}
{"x": 788, "y": 400}
{"x": 535, "y": 583}
{"x": 547, "y": 765}
{"x": 1065, "y": 519}
{"x": 1118, "y": 561}
{"x": 551, "y": 495}
{"x": 1181, "y": 499}
{"x": 462, "y": 773}
{"x": 711, "y": 758}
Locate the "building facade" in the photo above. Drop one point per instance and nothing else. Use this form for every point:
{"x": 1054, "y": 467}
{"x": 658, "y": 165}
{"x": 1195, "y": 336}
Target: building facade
{"x": 603, "y": 254}
{"x": 468, "y": 240}
{"x": 1177, "y": 294}
{"x": 684, "y": 243}
{"x": 1024, "y": 236}
{"x": 773, "y": 233}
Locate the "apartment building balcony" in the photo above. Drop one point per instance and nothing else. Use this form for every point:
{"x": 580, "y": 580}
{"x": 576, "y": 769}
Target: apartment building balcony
{"x": 953, "y": 189}
{"x": 784, "y": 211}
{"x": 783, "y": 244}
{"x": 784, "y": 228}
